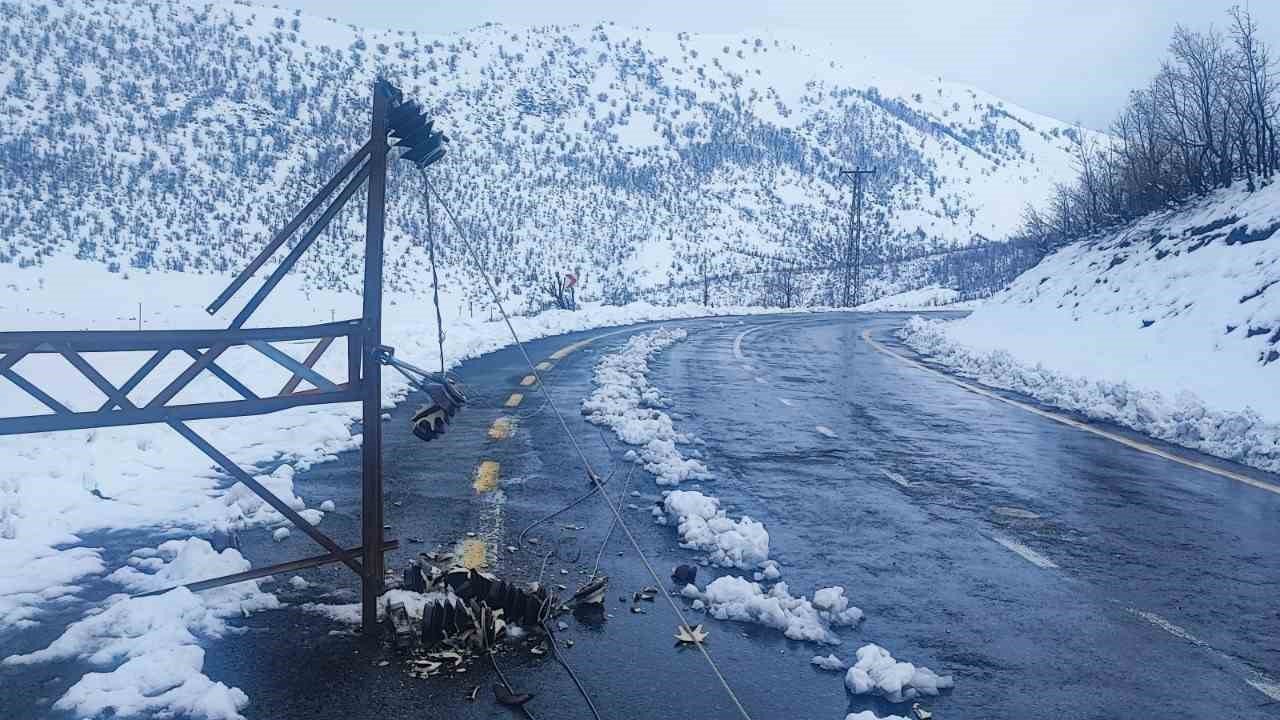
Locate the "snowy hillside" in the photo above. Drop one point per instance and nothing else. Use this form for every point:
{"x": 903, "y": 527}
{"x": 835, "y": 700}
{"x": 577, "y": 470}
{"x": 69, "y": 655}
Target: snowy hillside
{"x": 151, "y": 135}
{"x": 1170, "y": 325}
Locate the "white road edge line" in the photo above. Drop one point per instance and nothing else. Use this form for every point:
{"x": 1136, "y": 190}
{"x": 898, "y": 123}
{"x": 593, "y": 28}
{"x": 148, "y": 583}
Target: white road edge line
{"x": 737, "y": 342}
{"x": 896, "y": 477}
{"x": 1025, "y": 552}
{"x": 1128, "y": 442}
{"x": 1259, "y": 682}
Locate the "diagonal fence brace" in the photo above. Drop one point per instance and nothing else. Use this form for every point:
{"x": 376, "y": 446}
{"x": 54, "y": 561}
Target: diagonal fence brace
{"x": 267, "y": 496}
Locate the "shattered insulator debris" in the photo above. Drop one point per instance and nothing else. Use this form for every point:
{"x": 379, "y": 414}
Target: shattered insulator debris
{"x": 414, "y": 579}
{"x": 402, "y": 635}
{"x": 592, "y": 593}
{"x": 472, "y": 596}
{"x": 684, "y": 574}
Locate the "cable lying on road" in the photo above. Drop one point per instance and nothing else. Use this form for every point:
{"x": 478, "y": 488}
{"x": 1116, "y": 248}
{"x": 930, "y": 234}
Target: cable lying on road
{"x": 573, "y": 440}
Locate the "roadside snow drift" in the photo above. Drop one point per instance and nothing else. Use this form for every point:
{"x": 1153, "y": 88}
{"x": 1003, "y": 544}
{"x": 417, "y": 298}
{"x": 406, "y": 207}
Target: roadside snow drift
{"x": 1170, "y": 326}
{"x": 877, "y": 673}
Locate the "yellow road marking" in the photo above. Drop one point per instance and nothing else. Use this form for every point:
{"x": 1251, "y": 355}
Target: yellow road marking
{"x": 528, "y": 380}
{"x": 544, "y": 366}
{"x": 473, "y": 554}
{"x": 514, "y": 400}
{"x": 1127, "y": 442}
{"x": 563, "y": 352}
{"x": 486, "y": 477}
{"x": 501, "y": 428}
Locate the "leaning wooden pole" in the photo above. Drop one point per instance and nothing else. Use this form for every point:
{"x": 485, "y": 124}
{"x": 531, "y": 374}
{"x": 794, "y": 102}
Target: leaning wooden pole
{"x": 371, "y": 509}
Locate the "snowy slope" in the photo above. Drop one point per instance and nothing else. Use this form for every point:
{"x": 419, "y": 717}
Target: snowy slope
{"x": 154, "y": 135}
{"x": 1171, "y": 325}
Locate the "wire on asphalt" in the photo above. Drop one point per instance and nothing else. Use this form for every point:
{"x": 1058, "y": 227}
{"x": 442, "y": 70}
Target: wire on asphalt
{"x": 573, "y": 440}
{"x": 595, "y": 569}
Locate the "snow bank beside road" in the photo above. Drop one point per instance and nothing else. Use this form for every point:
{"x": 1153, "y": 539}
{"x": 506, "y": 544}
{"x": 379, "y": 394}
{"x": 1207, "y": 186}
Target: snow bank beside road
{"x": 1169, "y": 325}
{"x": 1184, "y": 420}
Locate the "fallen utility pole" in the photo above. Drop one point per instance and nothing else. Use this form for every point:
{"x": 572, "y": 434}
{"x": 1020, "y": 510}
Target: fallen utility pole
{"x": 853, "y": 251}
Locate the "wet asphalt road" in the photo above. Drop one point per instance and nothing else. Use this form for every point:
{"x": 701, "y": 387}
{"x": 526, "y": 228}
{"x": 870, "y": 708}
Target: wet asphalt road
{"x": 1152, "y": 592}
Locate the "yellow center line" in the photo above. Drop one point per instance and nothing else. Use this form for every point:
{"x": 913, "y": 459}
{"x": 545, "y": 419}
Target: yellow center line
{"x": 564, "y": 352}
{"x": 1070, "y": 422}
{"x": 514, "y": 400}
{"x": 486, "y": 477}
{"x": 473, "y": 554}
{"x": 528, "y": 380}
{"x": 501, "y": 428}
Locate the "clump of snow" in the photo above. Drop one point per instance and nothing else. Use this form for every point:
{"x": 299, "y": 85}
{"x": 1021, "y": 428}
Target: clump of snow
{"x": 1183, "y": 419}
{"x": 299, "y": 583}
{"x": 828, "y": 662}
{"x": 625, "y": 402}
{"x": 735, "y": 598}
{"x": 250, "y": 508}
{"x": 877, "y": 673}
{"x": 868, "y": 715}
{"x": 280, "y": 534}
{"x": 769, "y": 570}
{"x": 327, "y": 506}
{"x": 742, "y": 543}
{"x": 149, "y": 646}
{"x": 832, "y": 601}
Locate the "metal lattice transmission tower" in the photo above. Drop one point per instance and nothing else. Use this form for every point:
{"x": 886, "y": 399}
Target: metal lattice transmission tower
{"x": 853, "y": 251}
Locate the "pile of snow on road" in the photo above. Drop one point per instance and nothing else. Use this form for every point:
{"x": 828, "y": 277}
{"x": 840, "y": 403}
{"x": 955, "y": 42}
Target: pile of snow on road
{"x": 625, "y": 402}
{"x": 877, "y": 673}
{"x": 742, "y": 543}
{"x": 735, "y": 598}
{"x": 149, "y": 647}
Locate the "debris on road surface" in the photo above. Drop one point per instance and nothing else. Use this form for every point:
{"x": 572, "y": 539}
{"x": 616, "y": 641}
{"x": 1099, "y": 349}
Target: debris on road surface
{"x": 684, "y": 574}
{"x": 592, "y": 593}
{"x": 920, "y": 713}
{"x": 402, "y": 636}
{"x": 686, "y": 635}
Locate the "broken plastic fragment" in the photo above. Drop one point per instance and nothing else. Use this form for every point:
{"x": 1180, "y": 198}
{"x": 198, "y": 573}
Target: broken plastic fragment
{"x": 691, "y": 635}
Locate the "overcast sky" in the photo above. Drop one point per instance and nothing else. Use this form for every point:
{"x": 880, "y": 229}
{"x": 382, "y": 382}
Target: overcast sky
{"x": 1075, "y": 60}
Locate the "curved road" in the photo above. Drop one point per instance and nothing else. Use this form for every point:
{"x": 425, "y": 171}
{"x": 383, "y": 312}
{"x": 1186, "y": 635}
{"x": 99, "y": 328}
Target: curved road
{"x": 1054, "y": 572}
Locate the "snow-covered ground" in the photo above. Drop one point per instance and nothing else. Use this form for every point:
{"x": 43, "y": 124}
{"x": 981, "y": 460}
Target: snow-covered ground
{"x": 1170, "y": 326}
{"x": 56, "y": 488}
{"x": 927, "y": 298}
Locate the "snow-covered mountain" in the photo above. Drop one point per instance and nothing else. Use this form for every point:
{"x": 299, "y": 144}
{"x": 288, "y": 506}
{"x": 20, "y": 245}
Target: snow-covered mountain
{"x": 150, "y": 134}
